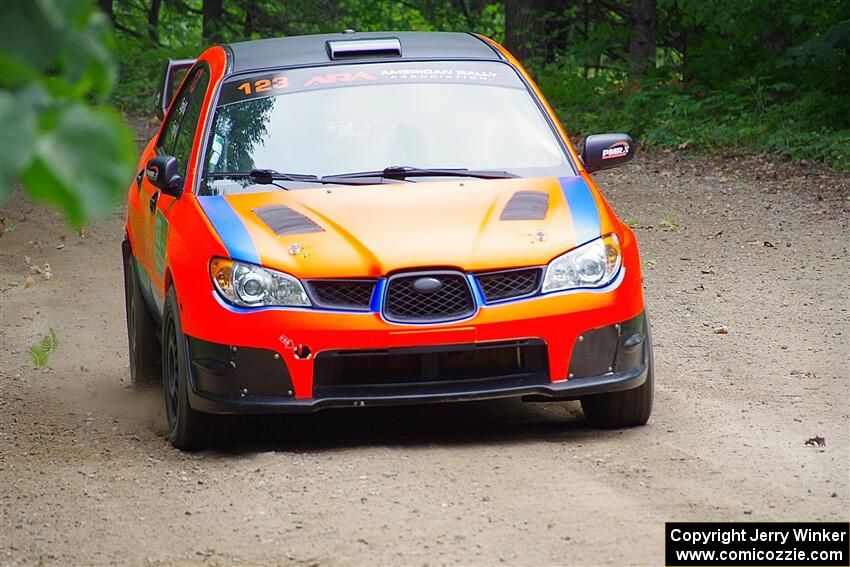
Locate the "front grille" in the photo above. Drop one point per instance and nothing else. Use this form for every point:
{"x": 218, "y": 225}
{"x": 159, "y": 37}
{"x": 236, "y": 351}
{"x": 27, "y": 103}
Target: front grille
{"x": 509, "y": 284}
{"x": 342, "y": 294}
{"x": 450, "y": 300}
{"x": 436, "y": 369}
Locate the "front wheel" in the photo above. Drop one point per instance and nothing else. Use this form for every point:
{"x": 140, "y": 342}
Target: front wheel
{"x": 623, "y": 409}
{"x": 187, "y": 429}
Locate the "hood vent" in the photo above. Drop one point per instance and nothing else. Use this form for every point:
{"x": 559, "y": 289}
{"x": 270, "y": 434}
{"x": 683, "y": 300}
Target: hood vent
{"x": 283, "y": 220}
{"x": 526, "y": 205}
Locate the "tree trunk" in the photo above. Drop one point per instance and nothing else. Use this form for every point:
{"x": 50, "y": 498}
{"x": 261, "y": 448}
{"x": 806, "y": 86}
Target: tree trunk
{"x": 248, "y": 24}
{"x": 525, "y": 28}
{"x": 559, "y": 25}
{"x": 106, "y": 7}
{"x": 212, "y": 13}
{"x": 642, "y": 41}
{"x": 153, "y": 20}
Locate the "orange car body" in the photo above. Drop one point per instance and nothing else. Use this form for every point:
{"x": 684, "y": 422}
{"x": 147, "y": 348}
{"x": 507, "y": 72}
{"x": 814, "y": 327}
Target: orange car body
{"x": 373, "y": 232}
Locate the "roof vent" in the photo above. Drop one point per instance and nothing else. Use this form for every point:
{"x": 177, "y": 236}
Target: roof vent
{"x": 353, "y": 48}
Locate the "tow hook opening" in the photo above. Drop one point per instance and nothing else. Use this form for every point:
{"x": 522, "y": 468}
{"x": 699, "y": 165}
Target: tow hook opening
{"x": 302, "y": 352}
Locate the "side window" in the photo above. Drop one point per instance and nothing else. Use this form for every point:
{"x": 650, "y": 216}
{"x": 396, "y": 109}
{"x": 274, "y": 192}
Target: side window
{"x": 179, "y": 131}
{"x": 186, "y": 134}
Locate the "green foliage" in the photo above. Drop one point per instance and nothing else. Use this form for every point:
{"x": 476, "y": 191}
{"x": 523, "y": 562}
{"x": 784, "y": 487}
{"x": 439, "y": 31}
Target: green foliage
{"x": 40, "y": 353}
{"x": 740, "y": 118}
{"x": 142, "y": 67}
{"x": 56, "y": 134}
{"x": 756, "y": 76}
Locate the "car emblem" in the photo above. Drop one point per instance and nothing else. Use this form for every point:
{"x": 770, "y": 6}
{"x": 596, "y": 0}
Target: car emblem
{"x": 427, "y": 285}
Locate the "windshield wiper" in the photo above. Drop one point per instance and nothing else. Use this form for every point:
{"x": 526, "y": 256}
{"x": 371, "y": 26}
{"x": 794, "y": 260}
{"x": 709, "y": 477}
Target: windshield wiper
{"x": 403, "y": 172}
{"x": 265, "y": 176}
{"x": 269, "y": 176}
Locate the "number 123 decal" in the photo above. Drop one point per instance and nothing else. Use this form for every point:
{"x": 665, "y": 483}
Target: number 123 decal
{"x": 263, "y": 85}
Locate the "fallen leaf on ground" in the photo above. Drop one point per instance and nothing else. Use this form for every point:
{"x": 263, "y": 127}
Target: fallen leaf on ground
{"x": 721, "y": 330}
{"x": 816, "y": 441}
{"x": 28, "y": 282}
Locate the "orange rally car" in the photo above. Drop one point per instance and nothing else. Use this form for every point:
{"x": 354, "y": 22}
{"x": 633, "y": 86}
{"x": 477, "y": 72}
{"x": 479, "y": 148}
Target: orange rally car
{"x": 359, "y": 219}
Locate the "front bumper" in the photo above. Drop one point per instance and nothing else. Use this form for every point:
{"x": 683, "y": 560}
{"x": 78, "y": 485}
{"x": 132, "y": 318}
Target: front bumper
{"x": 235, "y": 380}
{"x": 563, "y": 390}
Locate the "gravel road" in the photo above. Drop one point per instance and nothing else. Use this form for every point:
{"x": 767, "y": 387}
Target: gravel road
{"x": 756, "y": 248}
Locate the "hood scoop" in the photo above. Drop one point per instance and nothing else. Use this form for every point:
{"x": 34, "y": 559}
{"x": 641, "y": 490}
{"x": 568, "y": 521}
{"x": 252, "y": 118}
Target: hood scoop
{"x": 526, "y": 205}
{"x": 283, "y": 220}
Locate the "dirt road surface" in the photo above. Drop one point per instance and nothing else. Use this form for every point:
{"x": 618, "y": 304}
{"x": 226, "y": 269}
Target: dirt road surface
{"x": 758, "y": 248}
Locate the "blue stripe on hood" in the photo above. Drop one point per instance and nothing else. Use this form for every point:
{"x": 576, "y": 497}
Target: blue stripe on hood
{"x": 230, "y": 229}
{"x": 583, "y": 208}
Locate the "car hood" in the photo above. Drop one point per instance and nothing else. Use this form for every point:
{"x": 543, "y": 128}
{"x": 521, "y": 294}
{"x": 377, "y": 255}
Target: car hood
{"x": 370, "y": 231}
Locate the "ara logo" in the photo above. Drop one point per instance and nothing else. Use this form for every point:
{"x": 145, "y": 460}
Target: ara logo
{"x": 334, "y": 78}
{"x": 616, "y": 150}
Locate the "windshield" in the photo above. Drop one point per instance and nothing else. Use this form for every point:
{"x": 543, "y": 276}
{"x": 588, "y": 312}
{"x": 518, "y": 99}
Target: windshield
{"x": 367, "y": 117}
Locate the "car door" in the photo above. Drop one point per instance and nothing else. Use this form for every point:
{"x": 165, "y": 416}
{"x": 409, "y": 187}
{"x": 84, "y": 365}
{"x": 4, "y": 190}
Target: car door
{"x": 176, "y": 139}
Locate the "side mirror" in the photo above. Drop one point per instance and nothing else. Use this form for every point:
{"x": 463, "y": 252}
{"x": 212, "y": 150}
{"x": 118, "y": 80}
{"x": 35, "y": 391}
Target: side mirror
{"x": 603, "y": 151}
{"x": 162, "y": 173}
{"x": 173, "y": 69}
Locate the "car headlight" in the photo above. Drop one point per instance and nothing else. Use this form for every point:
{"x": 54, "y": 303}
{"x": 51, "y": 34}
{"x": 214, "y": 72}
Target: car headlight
{"x": 248, "y": 285}
{"x": 593, "y": 264}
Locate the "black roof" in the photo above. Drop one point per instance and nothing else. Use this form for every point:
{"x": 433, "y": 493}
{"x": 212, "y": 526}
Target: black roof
{"x": 307, "y": 50}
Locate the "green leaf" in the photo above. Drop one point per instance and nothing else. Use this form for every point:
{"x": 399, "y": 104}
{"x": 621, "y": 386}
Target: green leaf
{"x": 83, "y": 164}
{"x": 50, "y": 343}
{"x": 40, "y": 353}
{"x": 38, "y": 356}
{"x": 17, "y": 137}
{"x": 31, "y": 32}
{"x": 88, "y": 58}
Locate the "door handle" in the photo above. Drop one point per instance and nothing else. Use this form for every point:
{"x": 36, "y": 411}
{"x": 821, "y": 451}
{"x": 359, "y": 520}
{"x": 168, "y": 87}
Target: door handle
{"x": 154, "y": 199}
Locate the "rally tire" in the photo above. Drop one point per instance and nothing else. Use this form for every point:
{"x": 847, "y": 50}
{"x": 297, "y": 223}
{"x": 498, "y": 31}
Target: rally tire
{"x": 188, "y": 429}
{"x": 142, "y": 333}
{"x": 628, "y": 408}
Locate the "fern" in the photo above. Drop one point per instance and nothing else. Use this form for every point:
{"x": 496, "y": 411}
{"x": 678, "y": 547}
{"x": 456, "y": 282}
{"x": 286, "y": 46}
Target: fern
{"x": 40, "y": 353}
